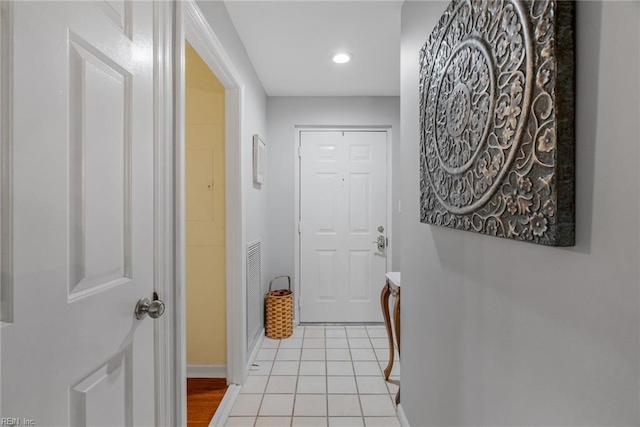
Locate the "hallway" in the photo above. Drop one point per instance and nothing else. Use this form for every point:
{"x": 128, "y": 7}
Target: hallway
{"x": 328, "y": 376}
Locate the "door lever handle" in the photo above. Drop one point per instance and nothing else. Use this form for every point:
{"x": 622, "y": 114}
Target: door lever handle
{"x": 381, "y": 242}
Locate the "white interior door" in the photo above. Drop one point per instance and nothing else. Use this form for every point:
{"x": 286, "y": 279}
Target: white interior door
{"x": 343, "y": 212}
{"x": 74, "y": 354}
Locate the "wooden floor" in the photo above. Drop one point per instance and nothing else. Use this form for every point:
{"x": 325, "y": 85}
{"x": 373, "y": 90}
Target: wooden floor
{"x": 203, "y": 397}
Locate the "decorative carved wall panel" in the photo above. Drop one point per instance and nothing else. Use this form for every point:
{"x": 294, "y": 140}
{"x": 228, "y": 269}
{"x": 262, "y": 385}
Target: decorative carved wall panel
{"x": 497, "y": 120}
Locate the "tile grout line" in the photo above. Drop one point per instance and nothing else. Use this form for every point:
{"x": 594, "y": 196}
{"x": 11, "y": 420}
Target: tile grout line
{"x": 350, "y": 350}
{"x": 326, "y": 378}
{"x": 255, "y": 422}
{"x": 391, "y": 397}
{"x": 295, "y": 390}
{"x": 386, "y": 382}
{"x": 355, "y": 377}
{"x": 378, "y": 361}
{"x": 389, "y": 394}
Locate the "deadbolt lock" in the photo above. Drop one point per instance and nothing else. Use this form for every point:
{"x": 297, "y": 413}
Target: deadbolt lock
{"x": 381, "y": 241}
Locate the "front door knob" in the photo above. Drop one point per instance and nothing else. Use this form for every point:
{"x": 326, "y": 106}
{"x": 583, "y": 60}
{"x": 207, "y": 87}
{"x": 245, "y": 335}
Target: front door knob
{"x": 153, "y": 308}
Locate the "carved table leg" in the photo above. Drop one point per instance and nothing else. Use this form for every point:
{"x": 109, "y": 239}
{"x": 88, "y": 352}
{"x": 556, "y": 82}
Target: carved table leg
{"x": 396, "y": 321}
{"x": 384, "y": 301}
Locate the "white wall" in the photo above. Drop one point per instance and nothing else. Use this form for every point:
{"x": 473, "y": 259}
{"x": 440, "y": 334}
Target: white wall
{"x": 504, "y": 333}
{"x": 254, "y": 120}
{"x": 283, "y": 114}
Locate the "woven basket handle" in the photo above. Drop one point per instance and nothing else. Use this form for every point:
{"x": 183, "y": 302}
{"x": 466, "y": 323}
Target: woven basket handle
{"x": 280, "y": 277}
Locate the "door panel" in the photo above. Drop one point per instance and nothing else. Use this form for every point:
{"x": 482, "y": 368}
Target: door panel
{"x": 342, "y": 204}
{"x": 359, "y": 275}
{"x": 327, "y": 204}
{"x": 326, "y": 273}
{"x": 99, "y": 165}
{"x": 120, "y": 13}
{"x": 106, "y": 384}
{"x": 83, "y": 209}
{"x": 360, "y": 203}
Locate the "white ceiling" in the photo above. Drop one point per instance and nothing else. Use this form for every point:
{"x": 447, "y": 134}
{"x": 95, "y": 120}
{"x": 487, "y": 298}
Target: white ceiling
{"x": 290, "y": 44}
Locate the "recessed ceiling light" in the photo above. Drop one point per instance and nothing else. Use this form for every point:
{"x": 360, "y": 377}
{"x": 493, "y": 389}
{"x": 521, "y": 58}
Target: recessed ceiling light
{"x": 341, "y": 58}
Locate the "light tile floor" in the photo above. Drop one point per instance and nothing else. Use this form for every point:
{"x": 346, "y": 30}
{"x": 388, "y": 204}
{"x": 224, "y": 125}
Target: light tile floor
{"x": 328, "y": 376}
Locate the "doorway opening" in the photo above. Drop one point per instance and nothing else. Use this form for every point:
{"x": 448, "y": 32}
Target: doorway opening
{"x": 194, "y": 32}
{"x": 205, "y": 239}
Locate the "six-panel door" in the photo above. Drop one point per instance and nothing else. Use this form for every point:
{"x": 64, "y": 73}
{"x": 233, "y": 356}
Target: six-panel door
{"x": 343, "y": 195}
{"x": 83, "y": 215}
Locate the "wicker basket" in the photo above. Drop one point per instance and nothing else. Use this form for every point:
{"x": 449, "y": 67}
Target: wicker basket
{"x": 279, "y": 311}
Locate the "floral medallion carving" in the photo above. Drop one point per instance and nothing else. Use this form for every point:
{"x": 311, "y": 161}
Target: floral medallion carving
{"x": 497, "y": 120}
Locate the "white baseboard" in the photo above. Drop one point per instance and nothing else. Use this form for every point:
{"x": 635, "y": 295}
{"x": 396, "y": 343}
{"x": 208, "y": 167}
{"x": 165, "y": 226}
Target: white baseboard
{"x": 224, "y": 409}
{"x": 254, "y": 353}
{"x": 404, "y": 422}
{"x": 207, "y": 371}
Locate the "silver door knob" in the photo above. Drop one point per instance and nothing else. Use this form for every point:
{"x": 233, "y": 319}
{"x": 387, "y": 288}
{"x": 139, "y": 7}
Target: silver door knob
{"x": 153, "y": 308}
{"x": 381, "y": 242}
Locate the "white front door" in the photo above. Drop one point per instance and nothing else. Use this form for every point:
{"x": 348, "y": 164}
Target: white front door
{"x": 73, "y": 353}
{"x": 343, "y": 212}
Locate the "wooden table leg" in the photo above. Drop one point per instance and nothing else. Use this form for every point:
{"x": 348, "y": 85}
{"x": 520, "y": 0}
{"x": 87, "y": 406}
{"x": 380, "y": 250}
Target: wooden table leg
{"x": 396, "y": 321}
{"x": 384, "y": 301}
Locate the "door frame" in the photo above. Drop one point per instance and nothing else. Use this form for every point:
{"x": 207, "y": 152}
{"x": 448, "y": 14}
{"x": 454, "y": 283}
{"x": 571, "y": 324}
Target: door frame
{"x": 192, "y": 26}
{"x": 164, "y": 213}
{"x": 6, "y": 164}
{"x": 296, "y": 225}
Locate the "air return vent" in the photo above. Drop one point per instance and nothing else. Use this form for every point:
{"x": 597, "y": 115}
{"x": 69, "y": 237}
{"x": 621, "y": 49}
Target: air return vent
{"x": 254, "y": 294}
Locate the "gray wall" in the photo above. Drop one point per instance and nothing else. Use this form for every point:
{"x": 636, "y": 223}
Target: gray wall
{"x": 503, "y": 333}
{"x": 254, "y": 121}
{"x": 255, "y": 112}
{"x": 283, "y": 114}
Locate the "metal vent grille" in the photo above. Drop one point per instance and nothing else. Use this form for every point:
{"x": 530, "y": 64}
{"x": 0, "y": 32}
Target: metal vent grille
{"x": 254, "y": 308}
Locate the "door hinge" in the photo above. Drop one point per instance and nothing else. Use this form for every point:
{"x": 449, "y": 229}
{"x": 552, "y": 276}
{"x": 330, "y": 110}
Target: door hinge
{"x": 299, "y": 227}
